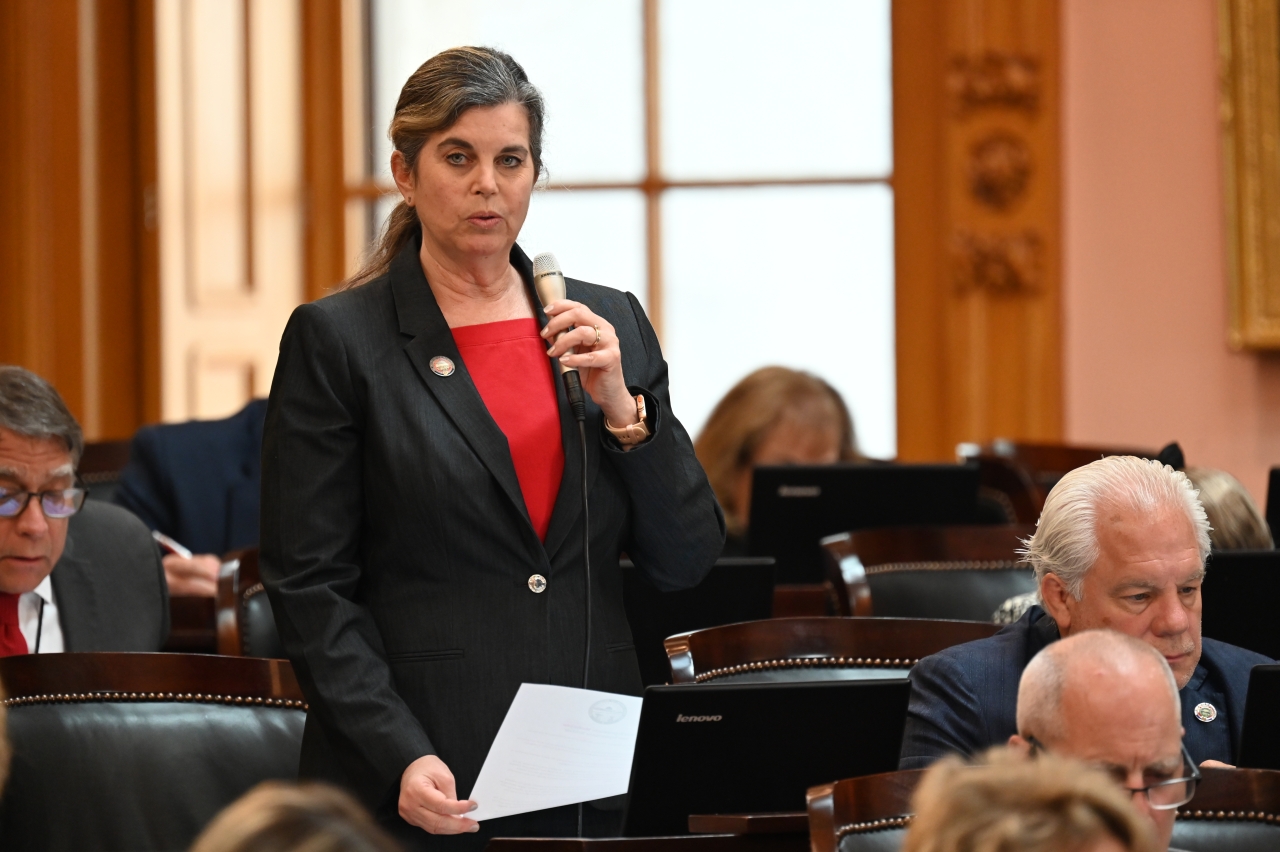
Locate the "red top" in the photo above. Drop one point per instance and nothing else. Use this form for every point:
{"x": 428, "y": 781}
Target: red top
{"x": 508, "y": 362}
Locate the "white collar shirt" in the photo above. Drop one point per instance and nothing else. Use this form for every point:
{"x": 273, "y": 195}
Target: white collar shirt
{"x": 42, "y": 623}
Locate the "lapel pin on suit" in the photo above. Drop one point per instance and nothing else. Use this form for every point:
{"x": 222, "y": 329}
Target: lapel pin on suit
{"x": 442, "y": 366}
{"x": 1206, "y": 712}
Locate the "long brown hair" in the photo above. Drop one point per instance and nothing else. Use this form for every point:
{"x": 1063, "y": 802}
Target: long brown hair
{"x": 432, "y": 100}
{"x": 746, "y": 414}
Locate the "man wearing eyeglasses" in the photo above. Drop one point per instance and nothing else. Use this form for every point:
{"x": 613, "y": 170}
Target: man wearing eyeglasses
{"x": 74, "y": 576}
{"x": 1121, "y": 544}
{"x": 1110, "y": 700}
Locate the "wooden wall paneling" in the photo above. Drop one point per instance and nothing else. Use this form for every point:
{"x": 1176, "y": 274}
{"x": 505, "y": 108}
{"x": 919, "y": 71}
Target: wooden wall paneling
{"x": 229, "y": 166}
{"x": 979, "y": 224}
{"x": 124, "y": 336}
{"x": 919, "y": 110}
{"x": 40, "y": 281}
{"x": 323, "y": 161}
{"x": 357, "y": 125}
{"x": 147, "y": 154}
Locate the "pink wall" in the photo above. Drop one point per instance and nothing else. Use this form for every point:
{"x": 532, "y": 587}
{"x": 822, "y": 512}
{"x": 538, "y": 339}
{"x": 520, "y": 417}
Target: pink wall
{"x": 1144, "y": 286}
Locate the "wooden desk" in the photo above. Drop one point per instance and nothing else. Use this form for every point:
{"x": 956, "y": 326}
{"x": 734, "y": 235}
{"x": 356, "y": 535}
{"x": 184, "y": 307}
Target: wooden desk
{"x": 796, "y": 822}
{"x": 684, "y": 843}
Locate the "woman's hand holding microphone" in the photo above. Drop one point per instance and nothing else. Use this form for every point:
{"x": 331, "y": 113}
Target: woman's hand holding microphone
{"x": 598, "y": 357}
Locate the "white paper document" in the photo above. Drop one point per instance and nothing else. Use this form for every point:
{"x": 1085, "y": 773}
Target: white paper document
{"x": 557, "y": 746}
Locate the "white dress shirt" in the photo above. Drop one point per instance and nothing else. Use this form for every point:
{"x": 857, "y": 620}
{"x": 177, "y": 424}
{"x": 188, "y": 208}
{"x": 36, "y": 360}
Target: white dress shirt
{"x": 29, "y": 619}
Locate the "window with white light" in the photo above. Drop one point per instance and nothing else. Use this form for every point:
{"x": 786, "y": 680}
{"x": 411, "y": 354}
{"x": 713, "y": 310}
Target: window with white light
{"x": 728, "y": 161}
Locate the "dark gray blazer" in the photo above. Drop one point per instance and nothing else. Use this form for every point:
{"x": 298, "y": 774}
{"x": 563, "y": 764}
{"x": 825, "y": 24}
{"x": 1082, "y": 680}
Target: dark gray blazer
{"x": 109, "y": 584}
{"x": 397, "y": 550}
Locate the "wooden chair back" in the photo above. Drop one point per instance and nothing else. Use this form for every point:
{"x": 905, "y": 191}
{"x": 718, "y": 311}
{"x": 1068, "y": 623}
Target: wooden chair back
{"x": 852, "y": 558}
{"x": 245, "y": 625}
{"x": 871, "y": 812}
{"x": 1009, "y": 484}
{"x": 100, "y": 467}
{"x": 1233, "y": 810}
{"x": 813, "y": 647}
{"x": 1047, "y": 463}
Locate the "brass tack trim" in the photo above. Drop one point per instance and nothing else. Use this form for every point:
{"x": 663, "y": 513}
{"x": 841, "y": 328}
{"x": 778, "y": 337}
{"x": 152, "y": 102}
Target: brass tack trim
{"x": 806, "y": 662}
{"x": 901, "y": 821}
{"x": 970, "y": 565}
{"x": 255, "y": 589}
{"x": 184, "y": 697}
{"x": 1246, "y": 816}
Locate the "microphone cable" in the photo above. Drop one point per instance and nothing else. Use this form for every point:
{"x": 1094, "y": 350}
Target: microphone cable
{"x": 549, "y": 284}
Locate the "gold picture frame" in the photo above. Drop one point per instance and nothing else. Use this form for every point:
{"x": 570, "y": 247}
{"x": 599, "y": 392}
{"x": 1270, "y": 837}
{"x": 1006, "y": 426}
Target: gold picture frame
{"x": 1249, "y": 50}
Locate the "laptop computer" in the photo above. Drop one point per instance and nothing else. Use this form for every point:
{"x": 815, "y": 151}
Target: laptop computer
{"x": 1260, "y": 736}
{"x": 793, "y": 506}
{"x": 756, "y": 747}
{"x": 1240, "y": 590}
{"x": 736, "y": 589}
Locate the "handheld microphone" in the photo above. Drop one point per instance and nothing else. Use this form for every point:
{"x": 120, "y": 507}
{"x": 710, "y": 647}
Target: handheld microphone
{"x": 548, "y": 281}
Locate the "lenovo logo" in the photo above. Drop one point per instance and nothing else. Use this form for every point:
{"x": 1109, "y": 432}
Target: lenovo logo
{"x": 799, "y": 490}
{"x": 680, "y": 717}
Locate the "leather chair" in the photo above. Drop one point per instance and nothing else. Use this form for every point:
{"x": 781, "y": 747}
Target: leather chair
{"x": 1234, "y": 810}
{"x": 246, "y": 625}
{"x": 100, "y": 467}
{"x": 140, "y": 751}
{"x": 798, "y": 649}
{"x": 868, "y": 814}
{"x": 1008, "y": 484}
{"x": 1047, "y": 463}
{"x": 953, "y": 572}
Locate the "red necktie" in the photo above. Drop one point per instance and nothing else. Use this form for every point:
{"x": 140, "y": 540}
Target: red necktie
{"x": 12, "y": 642}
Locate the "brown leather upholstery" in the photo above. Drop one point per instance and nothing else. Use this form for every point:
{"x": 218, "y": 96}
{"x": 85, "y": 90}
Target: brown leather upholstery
{"x": 246, "y": 625}
{"x": 812, "y": 648}
{"x": 867, "y": 814}
{"x": 140, "y": 751}
{"x": 952, "y": 572}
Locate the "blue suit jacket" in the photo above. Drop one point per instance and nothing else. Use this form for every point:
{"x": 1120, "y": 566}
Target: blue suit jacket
{"x": 199, "y": 482}
{"x": 965, "y": 699}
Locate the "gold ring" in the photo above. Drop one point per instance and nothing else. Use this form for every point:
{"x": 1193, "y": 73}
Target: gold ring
{"x": 597, "y": 328}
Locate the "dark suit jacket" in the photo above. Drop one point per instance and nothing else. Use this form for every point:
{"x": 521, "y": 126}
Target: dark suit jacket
{"x": 965, "y": 699}
{"x": 397, "y": 549}
{"x": 199, "y": 481}
{"x": 109, "y": 584}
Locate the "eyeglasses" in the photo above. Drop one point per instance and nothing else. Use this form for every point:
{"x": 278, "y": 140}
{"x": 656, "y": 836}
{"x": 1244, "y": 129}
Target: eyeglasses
{"x": 1163, "y": 795}
{"x": 56, "y": 504}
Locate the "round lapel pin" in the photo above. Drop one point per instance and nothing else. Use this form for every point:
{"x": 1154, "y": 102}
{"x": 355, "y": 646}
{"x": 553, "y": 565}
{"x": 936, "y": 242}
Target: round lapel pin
{"x": 1206, "y": 712}
{"x": 442, "y": 366}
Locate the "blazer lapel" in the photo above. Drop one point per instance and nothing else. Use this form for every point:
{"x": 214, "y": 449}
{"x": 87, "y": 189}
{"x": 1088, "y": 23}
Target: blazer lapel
{"x": 420, "y": 317}
{"x": 74, "y": 595}
{"x": 568, "y": 507}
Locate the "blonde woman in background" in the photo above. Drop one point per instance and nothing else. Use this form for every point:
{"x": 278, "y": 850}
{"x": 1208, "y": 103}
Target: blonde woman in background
{"x": 278, "y": 817}
{"x": 1008, "y": 803}
{"x": 1235, "y": 521}
{"x": 773, "y": 416}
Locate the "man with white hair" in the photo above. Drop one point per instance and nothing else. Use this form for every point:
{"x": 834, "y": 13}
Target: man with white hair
{"x": 1111, "y": 701}
{"x": 1121, "y": 544}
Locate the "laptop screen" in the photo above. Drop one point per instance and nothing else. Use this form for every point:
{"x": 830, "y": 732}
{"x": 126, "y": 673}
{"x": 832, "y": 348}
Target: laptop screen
{"x": 794, "y": 506}
{"x": 756, "y": 747}
{"x": 1260, "y": 736}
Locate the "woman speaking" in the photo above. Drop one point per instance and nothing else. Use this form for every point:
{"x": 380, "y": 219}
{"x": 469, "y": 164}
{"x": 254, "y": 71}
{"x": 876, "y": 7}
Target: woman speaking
{"x": 422, "y": 520}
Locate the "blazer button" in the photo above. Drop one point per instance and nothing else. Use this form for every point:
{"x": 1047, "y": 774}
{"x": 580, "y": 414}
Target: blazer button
{"x": 537, "y": 584}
